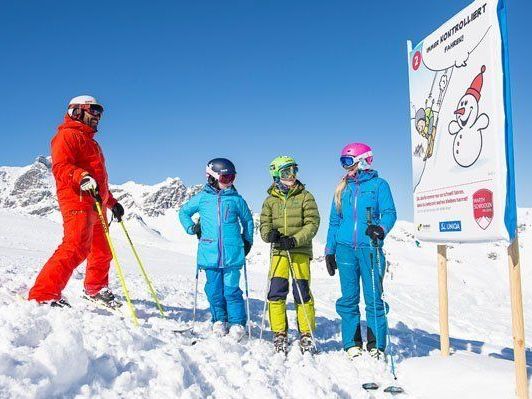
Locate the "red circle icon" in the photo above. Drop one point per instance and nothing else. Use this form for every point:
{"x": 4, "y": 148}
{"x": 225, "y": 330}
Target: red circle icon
{"x": 416, "y": 60}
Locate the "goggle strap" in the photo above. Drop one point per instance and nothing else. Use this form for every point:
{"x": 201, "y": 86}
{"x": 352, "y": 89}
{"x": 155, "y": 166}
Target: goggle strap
{"x": 212, "y": 173}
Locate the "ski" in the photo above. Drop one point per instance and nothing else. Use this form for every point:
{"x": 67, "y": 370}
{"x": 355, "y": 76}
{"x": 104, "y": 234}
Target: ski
{"x": 182, "y": 330}
{"x": 100, "y": 305}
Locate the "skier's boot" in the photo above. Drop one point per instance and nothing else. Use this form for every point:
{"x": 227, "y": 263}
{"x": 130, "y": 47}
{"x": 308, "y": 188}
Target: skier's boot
{"x": 237, "y": 331}
{"x": 219, "y": 328}
{"x": 306, "y": 344}
{"x": 58, "y": 303}
{"x": 280, "y": 342}
{"x": 376, "y": 354}
{"x": 105, "y": 298}
{"x": 354, "y": 352}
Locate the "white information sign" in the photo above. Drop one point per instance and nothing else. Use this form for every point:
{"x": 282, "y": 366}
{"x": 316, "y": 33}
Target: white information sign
{"x": 462, "y": 151}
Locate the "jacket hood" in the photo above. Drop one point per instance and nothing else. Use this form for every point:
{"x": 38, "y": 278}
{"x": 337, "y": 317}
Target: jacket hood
{"x": 69, "y": 123}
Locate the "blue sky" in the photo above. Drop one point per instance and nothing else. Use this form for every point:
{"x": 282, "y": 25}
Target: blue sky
{"x": 183, "y": 82}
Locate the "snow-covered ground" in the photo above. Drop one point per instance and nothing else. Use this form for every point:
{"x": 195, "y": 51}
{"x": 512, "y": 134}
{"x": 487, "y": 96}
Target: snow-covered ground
{"x": 89, "y": 353}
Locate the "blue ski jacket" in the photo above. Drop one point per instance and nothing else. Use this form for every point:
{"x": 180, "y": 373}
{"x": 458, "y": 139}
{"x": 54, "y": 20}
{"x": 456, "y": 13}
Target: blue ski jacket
{"x": 348, "y": 225}
{"x": 225, "y": 221}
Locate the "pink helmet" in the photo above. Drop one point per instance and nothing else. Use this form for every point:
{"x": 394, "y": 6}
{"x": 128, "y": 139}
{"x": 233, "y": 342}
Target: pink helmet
{"x": 356, "y": 152}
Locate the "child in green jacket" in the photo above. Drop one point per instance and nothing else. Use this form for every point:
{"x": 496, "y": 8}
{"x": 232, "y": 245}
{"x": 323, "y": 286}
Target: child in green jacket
{"x": 289, "y": 221}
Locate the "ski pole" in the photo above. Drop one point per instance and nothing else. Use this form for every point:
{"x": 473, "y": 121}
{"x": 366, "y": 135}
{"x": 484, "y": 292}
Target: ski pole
{"x": 373, "y": 286}
{"x": 142, "y": 269}
{"x": 385, "y": 304}
{"x": 247, "y": 300}
{"x": 98, "y": 202}
{"x": 195, "y": 299}
{"x": 307, "y": 319}
{"x": 266, "y": 292}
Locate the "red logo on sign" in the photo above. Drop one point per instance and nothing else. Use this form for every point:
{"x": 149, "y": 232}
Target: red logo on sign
{"x": 416, "y": 60}
{"x": 483, "y": 207}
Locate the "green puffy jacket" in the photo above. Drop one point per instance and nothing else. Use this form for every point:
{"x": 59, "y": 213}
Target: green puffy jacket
{"x": 293, "y": 214}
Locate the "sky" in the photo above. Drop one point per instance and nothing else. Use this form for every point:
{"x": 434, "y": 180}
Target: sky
{"x": 186, "y": 81}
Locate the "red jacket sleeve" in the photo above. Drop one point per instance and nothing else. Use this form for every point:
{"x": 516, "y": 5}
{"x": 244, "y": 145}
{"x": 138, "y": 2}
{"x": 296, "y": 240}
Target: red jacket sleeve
{"x": 65, "y": 148}
{"x": 111, "y": 201}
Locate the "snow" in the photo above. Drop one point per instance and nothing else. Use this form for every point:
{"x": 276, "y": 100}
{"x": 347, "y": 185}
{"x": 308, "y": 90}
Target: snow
{"x": 87, "y": 352}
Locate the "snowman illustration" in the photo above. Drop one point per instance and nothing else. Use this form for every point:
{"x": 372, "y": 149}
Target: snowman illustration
{"x": 469, "y": 124}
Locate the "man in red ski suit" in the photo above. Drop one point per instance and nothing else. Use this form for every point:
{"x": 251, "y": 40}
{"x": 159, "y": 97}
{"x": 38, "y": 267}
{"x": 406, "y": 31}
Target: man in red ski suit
{"x": 78, "y": 166}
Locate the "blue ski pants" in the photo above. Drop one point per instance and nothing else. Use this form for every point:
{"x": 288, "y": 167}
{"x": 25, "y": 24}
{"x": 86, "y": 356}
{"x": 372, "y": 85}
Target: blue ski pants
{"x": 355, "y": 265}
{"x": 225, "y": 296}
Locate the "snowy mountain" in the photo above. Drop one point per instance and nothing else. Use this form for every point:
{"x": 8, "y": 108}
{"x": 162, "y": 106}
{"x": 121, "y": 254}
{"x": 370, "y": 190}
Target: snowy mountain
{"x": 86, "y": 353}
{"x": 31, "y": 190}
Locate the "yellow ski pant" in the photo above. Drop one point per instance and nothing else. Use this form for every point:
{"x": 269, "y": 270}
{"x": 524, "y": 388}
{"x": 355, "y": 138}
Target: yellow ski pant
{"x": 279, "y": 287}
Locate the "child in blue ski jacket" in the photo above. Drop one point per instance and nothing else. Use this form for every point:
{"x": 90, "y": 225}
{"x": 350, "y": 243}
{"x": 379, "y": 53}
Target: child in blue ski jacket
{"x": 362, "y": 213}
{"x": 225, "y": 233}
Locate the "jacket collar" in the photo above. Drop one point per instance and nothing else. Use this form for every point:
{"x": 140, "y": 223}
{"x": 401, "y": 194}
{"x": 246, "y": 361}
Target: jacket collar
{"x": 207, "y": 188}
{"x": 69, "y": 123}
{"x": 298, "y": 188}
{"x": 363, "y": 176}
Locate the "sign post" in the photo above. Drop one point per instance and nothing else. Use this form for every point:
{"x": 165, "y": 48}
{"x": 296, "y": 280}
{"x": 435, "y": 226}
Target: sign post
{"x": 444, "y": 300}
{"x": 462, "y": 149}
{"x": 518, "y": 324}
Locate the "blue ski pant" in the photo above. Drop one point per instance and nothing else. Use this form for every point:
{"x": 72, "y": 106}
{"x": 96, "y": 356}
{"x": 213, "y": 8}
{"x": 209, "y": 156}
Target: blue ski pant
{"x": 225, "y": 296}
{"x": 355, "y": 265}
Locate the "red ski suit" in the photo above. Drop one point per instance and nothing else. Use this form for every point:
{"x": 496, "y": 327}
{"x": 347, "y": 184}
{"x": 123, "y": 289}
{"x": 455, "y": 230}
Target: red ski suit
{"x": 75, "y": 154}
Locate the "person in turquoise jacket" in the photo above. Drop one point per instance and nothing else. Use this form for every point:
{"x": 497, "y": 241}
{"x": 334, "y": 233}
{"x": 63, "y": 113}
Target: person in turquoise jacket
{"x": 225, "y": 233}
{"x": 362, "y": 213}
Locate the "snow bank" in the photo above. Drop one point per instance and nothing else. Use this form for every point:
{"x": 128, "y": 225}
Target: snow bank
{"x": 85, "y": 352}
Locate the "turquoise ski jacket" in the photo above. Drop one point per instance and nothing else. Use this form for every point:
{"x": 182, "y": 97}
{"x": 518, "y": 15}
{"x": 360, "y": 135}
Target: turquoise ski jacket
{"x": 364, "y": 193}
{"x": 225, "y": 221}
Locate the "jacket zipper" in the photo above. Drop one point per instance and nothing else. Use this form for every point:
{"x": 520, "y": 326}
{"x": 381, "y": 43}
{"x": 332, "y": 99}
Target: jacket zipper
{"x": 220, "y": 234}
{"x": 285, "y": 216}
{"x": 355, "y": 214}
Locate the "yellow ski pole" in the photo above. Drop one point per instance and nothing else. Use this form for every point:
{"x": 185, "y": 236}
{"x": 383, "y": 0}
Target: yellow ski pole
{"x": 141, "y": 266}
{"x": 98, "y": 202}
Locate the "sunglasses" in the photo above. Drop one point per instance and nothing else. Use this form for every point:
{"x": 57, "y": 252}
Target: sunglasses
{"x": 227, "y": 179}
{"x": 93, "y": 109}
{"x": 288, "y": 172}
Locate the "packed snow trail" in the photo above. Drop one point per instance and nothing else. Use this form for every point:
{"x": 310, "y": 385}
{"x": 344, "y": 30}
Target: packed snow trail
{"x": 88, "y": 352}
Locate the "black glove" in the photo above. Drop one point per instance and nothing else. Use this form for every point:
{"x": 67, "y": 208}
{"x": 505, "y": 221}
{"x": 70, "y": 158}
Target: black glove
{"x": 330, "y": 262}
{"x": 375, "y": 232}
{"x": 196, "y": 229}
{"x": 287, "y": 243}
{"x": 273, "y": 236}
{"x": 118, "y": 211}
{"x": 247, "y": 246}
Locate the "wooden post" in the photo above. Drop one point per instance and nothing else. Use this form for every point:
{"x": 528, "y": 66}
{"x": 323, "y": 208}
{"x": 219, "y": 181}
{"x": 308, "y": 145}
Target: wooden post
{"x": 518, "y": 324}
{"x": 443, "y": 299}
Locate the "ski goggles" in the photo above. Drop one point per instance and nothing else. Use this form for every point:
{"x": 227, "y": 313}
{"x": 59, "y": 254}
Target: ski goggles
{"x": 227, "y": 179}
{"x": 288, "y": 172}
{"x": 93, "y": 109}
{"x": 348, "y": 161}
{"x": 224, "y": 179}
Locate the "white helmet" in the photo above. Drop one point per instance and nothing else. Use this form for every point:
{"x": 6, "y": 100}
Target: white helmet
{"x": 83, "y": 103}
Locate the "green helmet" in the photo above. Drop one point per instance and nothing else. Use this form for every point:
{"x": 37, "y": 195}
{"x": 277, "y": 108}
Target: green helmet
{"x": 280, "y": 163}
